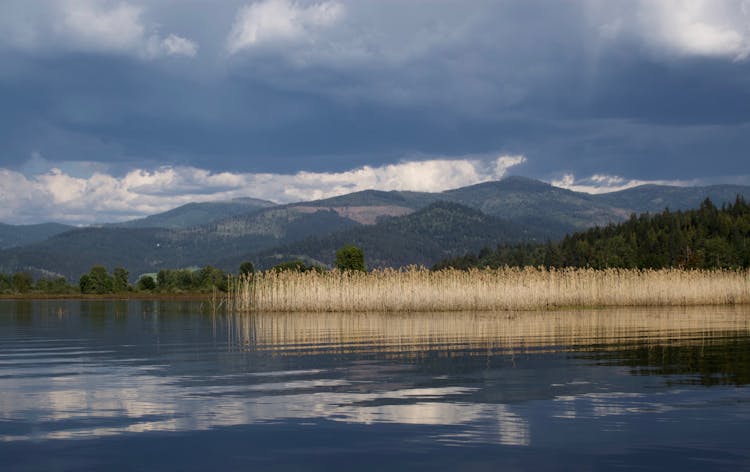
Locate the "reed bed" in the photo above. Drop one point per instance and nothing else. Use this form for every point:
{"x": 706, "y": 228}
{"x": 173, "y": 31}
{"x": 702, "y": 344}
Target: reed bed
{"x": 506, "y": 289}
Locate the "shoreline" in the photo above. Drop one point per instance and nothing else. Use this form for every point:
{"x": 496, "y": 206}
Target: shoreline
{"x": 223, "y": 301}
{"x": 488, "y": 290}
{"x": 198, "y": 297}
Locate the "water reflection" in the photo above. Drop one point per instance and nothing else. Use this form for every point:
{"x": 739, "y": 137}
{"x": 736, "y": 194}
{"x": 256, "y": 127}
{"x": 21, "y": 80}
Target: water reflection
{"x": 92, "y": 369}
{"x": 517, "y": 331}
{"x": 723, "y": 359}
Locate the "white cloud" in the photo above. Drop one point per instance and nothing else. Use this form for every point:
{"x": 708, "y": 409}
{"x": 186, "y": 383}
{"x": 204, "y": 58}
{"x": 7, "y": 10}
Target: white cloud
{"x": 503, "y": 163}
{"x": 280, "y": 20}
{"x": 604, "y": 183}
{"x": 57, "y": 195}
{"x": 94, "y": 24}
{"x": 100, "y": 26}
{"x": 178, "y": 46}
{"x": 710, "y": 28}
{"x": 425, "y": 176}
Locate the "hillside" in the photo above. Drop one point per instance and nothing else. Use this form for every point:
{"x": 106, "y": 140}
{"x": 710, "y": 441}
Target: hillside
{"x": 413, "y": 200}
{"x": 142, "y": 250}
{"x": 442, "y": 229}
{"x": 20, "y": 235}
{"x": 704, "y": 238}
{"x": 283, "y": 223}
{"x": 196, "y": 214}
{"x": 71, "y": 253}
{"x": 368, "y": 206}
{"x": 538, "y": 203}
{"x": 655, "y": 198}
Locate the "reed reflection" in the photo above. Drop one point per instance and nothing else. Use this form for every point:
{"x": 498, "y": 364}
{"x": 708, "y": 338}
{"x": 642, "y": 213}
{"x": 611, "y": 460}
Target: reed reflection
{"x": 411, "y": 334}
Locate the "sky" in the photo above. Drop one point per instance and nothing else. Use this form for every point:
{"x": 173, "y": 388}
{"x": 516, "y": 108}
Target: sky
{"x": 114, "y": 109}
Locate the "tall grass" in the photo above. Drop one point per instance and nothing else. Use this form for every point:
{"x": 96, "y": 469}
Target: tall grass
{"x": 484, "y": 290}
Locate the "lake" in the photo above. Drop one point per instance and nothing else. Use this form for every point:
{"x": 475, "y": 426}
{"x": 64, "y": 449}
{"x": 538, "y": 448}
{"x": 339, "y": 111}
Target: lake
{"x": 155, "y": 385}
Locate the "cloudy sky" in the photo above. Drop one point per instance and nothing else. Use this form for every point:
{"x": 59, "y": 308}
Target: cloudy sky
{"x": 113, "y": 109}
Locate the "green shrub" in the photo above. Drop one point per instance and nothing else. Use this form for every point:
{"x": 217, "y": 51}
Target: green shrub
{"x": 57, "y": 285}
{"x": 120, "y": 280}
{"x": 350, "y": 258}
{"x": 146, "y": 284}
{"x": 291, "y": 266}
{"x": 96, "y": 281}
{"x": 21, "y": 282}
{"x": 247, "y": 268}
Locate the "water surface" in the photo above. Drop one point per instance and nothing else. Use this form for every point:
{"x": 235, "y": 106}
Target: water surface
{"x": 90, "y": 385}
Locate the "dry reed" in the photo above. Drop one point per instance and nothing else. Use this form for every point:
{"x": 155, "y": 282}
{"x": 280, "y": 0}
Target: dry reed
{"x": 420, "y": 290}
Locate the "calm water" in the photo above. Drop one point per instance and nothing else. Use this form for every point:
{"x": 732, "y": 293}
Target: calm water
{"x": 164, "y": 385}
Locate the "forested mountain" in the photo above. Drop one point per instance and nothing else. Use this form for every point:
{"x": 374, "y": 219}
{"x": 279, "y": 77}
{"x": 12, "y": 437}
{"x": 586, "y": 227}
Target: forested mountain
{"x": 413, "y": 200}
{"x": 442, "y": 229}
{"x": 657, "y": 198}
{"x": 537, "y": 203}
{"x": 395, "y": 228}
{"x": 708, "y": 237}
{"x": 196, "y": 214}
{"x": 282, "y": 223}
{"x": 523, "y": 200}
{"x": 74, "y": 252}
{"x": 18, "y": 235}
{"x": 143, "y": 250}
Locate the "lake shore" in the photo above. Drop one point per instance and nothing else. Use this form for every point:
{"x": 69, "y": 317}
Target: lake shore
{"x": 110, "y": 296}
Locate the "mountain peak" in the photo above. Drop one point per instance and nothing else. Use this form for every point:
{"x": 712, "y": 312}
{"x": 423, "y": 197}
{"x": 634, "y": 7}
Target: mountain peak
{"x": 524, "y": 182}
{"x": 253, "y": 201}
{"x": 510, "y": 183}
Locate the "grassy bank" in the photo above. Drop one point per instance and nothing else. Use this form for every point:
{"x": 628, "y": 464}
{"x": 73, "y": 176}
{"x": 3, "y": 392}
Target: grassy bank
{"x": 485, "y": 290}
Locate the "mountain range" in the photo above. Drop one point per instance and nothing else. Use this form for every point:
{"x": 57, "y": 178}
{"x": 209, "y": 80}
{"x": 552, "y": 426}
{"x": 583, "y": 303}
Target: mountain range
{"x": 393, "y": 228}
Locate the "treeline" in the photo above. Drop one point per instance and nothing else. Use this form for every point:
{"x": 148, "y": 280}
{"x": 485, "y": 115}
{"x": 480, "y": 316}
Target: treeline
{"x": 207, "y": 279}
{"x": 23, "y": 282}
{"x": 348, "y": 258}
{"x": 705, "y": 238}
{"x": 99, "y": 281}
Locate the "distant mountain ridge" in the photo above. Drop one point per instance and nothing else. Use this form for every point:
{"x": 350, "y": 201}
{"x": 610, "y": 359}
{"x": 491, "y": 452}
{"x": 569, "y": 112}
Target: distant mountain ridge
{"x": 195, "y": 214}
{"x": 537, "y": 203}
{"x": 655, "y": 198}
{"x": 394, "y": 228}
{"x": 19, "y": 235}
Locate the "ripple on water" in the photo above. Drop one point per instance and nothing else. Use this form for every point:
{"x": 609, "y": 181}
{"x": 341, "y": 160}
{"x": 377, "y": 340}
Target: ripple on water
{"x": 540, "y": 381}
